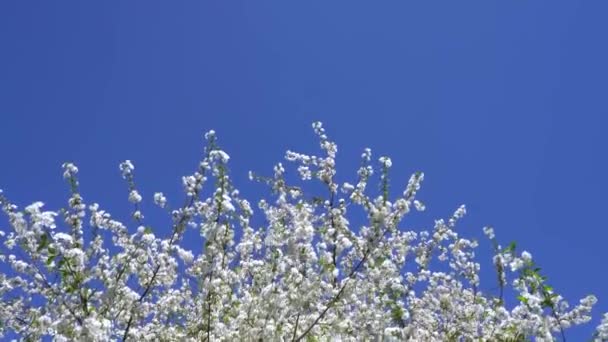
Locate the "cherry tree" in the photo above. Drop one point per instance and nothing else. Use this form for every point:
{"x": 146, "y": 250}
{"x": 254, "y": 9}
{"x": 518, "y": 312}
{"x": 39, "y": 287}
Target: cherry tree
{"x": 310, "y": 272}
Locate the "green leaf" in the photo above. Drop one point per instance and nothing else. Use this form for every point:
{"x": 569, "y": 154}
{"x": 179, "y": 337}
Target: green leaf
{"x": 511, "y": 247}
{"x": 50, "y": 259}
{"x": 311, "y": 338}
{"x": 44, "y": 241}
{"x": 397, "y": 313}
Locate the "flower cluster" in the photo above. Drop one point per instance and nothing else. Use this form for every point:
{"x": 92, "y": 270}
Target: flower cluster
{"x": 310, "y": 271}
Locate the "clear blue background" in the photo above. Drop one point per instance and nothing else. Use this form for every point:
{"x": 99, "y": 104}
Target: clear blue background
{"x": 501, "y": 103}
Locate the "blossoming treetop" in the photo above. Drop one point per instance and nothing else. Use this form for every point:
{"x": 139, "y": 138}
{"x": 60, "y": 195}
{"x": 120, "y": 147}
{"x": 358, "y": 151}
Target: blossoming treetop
{"x": 308, "y": 273}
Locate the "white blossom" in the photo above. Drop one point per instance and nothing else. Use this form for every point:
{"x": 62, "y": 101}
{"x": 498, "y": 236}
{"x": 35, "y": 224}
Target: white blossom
{"x": 63, "y": 237}
{"x": 220, "y": 155}
{"x": 386, "y": 161}
{"x": 185, "y": 255}
{"x": 210, "y": 134}
{"x": 489, "y": 231}
{"x": 160, "y": 199}
{"x": 69, "y": 170}
{"x": 126, "y": 168}
{"x": 602, "y": 330}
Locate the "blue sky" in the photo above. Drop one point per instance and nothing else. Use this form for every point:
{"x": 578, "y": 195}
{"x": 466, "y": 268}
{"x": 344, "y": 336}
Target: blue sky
{"x": 501, "y": 103}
